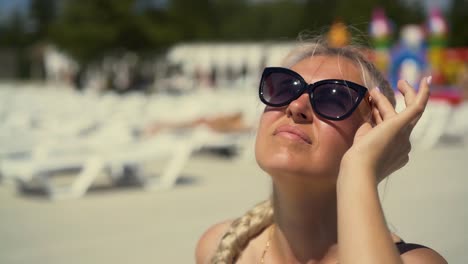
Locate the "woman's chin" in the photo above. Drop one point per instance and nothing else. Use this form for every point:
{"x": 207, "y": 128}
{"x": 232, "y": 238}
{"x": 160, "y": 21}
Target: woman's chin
{"x": 281, "y": 167}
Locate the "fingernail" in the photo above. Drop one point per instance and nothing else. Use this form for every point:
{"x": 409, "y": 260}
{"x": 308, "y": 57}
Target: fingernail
{"x": 378, "y": 89}
{"x": 429, "y": 80}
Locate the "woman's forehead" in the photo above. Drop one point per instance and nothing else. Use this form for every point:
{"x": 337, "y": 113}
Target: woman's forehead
{"x": 316, "y": 68}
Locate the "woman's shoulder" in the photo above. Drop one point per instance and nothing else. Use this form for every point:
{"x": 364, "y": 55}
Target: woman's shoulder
{"x": 209, "y": 241}
{"x": 423, "y": 255}
{"x": 416, "y": 253}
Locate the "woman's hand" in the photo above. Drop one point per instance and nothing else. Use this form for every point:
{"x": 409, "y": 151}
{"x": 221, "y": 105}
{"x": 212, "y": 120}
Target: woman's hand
{"x": 384, "y": 148}
{"x": 363, "y": 234}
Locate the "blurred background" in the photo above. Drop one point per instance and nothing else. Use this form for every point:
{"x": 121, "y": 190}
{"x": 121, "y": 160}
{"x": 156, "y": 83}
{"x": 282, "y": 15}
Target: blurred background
{"x": 126, "y": 127}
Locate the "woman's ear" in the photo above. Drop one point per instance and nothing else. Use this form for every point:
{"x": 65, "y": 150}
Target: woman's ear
{"x": 375, "y": 115}
{"x": 371, "y": 116}
{"x": 367, "y": 112}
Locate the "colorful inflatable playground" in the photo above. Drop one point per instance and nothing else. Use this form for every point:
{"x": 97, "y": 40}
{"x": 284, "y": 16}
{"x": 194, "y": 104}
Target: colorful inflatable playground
{"x": 421, "y": 50}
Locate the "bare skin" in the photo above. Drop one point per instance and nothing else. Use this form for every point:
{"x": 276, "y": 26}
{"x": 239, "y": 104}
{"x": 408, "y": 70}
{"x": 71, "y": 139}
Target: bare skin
{"x": 221, "y": 124}
{"x": 325, "y": 181}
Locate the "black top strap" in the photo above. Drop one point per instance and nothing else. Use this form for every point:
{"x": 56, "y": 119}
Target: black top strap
{"x": 404, "y": 247}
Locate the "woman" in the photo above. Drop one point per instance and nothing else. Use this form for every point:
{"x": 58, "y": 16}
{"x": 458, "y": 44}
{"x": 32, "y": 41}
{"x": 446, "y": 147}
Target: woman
{"x": 329, "y": 134}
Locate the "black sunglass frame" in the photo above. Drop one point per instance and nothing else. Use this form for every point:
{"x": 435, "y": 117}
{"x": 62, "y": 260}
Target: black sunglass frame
{"x": 361, "y": 91}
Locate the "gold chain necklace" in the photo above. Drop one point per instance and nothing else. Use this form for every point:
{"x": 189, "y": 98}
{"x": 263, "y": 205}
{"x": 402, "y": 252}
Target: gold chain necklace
{"x": 270, "y": 235}
{"x": 268, "y": 243}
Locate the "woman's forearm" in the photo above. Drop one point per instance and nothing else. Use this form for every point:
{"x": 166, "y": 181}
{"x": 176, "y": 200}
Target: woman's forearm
{"x": 363, "y": 236}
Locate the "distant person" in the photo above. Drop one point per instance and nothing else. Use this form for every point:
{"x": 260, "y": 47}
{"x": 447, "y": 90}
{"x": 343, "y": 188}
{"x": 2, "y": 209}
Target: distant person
{"x": 328, "y": 135}
{"x": 224, "y": 123}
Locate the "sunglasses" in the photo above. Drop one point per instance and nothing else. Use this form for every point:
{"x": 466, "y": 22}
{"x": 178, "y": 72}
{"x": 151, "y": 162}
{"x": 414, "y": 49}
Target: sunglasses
{"x": 331, "y": 99}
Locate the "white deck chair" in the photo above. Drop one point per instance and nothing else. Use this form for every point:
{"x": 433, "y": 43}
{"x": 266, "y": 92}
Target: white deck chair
{"x": 59, "y": 144}
{"x": 134, "y": 155}
{"x": 92, "y": 163}
{"x": 457, "y": 127}
{"x": 432, "y": 124}
{"x": 173, "y": 149}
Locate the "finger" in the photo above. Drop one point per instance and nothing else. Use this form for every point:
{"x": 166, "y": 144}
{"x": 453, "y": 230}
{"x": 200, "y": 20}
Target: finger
{"x": 416, "y": 108}
{"x": 407, "y": 91}
{"x": 424, "y": 89}
{"x": 376, "y": 115}
{"x": 424, "y": 92}
{"x": 382, "y": 104}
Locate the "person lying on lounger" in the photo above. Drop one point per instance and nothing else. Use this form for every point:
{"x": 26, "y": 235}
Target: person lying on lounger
{"x": 226, "y": 123}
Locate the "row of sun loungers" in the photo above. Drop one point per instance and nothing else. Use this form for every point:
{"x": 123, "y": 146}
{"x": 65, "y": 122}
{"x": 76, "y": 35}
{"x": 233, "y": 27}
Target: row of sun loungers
{"x": 45, "y": 131}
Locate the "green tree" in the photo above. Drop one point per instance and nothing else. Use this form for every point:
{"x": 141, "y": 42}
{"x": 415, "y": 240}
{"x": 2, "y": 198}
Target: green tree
{"x": 318, "y": 14}
{"x": 14, "y": 37}
{"x": 269, "y": 20}
{"x": 195, "y": 20}
{"x": 281, "y": 20}
{"x": 458, "y": 17}
{"x": 43, "y": 14}
{"x": 89, "y": 29}
{"x": 230, "y": 18}
{"x": 13, "y": 32}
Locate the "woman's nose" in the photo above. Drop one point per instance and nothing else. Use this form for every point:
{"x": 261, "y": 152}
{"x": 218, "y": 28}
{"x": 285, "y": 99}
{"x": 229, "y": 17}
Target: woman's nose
{"x": 300, "y": 110}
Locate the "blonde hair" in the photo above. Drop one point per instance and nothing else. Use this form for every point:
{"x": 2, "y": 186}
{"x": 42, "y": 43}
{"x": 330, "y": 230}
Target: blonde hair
{"x": 252, "y": 223}
{"x": 241, "y": 231}
{"x": 371, "y": 76}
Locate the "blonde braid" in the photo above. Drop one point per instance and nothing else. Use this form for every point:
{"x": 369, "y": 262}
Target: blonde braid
{"x": 241, "y": 231}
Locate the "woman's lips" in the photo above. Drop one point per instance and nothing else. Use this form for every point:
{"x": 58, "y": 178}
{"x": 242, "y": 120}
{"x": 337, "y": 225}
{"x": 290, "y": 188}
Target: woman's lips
{"x": 292, "y": 133}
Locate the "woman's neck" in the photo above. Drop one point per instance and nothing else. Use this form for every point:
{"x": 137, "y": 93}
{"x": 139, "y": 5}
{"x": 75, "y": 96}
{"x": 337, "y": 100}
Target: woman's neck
{"x": 306, "y": 223}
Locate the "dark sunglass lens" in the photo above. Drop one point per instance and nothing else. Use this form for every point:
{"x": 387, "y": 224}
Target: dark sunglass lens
{"x": 334, "y": 100}
{"x": 279, "y": 88}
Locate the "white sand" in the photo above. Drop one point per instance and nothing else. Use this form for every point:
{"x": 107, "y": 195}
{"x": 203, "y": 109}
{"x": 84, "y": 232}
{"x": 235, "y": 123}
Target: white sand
{"x": 425, "y": 203}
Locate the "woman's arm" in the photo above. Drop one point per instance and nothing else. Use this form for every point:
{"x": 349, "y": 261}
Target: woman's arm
{"x": 363, "y": 236}
{"x": 377, "y": 151}
{"x": 361, "y": 221}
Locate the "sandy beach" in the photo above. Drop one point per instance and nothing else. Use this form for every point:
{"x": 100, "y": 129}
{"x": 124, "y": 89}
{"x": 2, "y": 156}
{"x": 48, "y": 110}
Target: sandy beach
{"x": 424, "y": 203}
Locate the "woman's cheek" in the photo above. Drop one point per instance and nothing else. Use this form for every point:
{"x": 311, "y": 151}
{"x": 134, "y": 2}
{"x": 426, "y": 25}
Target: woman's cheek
{"x": 264, "y": 135}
